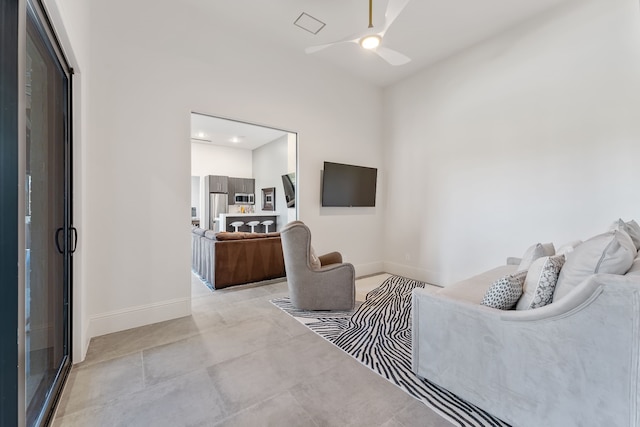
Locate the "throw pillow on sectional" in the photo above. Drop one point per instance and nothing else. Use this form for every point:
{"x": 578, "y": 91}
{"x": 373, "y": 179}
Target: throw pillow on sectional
{"x": 568, "y": 247}
{"x": 611, "y": 253}
{"x": 631, "y": 228}
{"x": 540, "y": 282}
{"x": 635, "y": 267}
{"x": 505, "y": 292}
{"x": 534, "y": 252}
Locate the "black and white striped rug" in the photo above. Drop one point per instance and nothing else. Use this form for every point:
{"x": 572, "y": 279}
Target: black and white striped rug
{"x": 378, "y": 334}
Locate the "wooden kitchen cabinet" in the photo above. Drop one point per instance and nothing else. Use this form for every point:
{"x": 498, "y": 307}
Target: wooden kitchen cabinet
{"x": 240, "y": 185}
{"x": 218, "y": 184}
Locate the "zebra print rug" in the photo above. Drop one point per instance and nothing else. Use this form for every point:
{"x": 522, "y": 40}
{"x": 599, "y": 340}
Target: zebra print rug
{"x": 378, "y": 334}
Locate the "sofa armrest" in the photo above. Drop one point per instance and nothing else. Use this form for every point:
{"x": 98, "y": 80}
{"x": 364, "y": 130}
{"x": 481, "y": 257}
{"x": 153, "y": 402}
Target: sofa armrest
{"x": 575, "y": 361}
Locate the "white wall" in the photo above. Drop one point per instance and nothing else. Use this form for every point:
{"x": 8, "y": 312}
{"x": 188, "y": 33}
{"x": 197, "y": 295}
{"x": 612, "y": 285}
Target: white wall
{"x": 207, "y": 159}
{"x": 151, "y": 67}
{"x": 531, "y": 136}
{"x": 270, "y": 162}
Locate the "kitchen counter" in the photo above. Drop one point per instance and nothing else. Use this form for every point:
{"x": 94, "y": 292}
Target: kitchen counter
{"x": 228, "y": 218}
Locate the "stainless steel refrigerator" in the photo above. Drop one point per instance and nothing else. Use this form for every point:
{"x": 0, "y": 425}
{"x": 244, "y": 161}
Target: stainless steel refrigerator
{"x": 218, "y": 204}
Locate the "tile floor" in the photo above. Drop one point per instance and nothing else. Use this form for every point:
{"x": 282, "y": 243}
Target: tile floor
{"x": 236, "y": 361}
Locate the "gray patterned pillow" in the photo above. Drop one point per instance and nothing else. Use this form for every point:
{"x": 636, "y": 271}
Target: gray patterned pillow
{"x": 540, "y": 282}
{"x": 505, "y": 292}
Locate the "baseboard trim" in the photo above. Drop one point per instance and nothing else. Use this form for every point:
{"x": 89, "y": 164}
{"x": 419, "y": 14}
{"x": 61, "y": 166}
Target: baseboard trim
{"x": 415, "y": 273}
{"x": 133, "y": 317}
{"x": 369, "y": 269}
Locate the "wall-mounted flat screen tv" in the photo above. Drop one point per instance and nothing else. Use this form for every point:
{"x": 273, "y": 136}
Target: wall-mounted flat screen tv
{"x": 348, "y": 185}
{"x": 289, "y": 183}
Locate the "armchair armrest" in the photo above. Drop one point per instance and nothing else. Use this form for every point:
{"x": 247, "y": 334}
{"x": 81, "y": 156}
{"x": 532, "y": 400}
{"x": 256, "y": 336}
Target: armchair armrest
{"x": 330, "y": 258}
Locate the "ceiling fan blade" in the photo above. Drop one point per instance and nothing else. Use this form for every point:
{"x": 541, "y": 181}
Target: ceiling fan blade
{"x": 394, "y": 9}
{"x": 391, "y": 56}
{"x": 314, "y": 49}
{"x": 353, "y": 38}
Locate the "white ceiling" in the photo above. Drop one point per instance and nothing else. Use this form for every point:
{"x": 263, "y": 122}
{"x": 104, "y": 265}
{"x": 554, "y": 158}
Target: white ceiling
{"x": 426, "y": 31}
{"x": 230, "y": 133}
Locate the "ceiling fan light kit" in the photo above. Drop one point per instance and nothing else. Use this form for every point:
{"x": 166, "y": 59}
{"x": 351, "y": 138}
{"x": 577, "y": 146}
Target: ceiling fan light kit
{"x": 373, "y": 40}
{"x": 370, "y": 42}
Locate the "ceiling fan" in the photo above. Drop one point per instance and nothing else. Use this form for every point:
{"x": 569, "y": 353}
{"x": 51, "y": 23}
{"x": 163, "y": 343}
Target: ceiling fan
{"x": 371, "y": 39}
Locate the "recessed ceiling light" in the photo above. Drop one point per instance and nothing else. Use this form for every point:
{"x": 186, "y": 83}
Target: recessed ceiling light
{"x": 236, "y": 139}
{"x": 200, "y": 135}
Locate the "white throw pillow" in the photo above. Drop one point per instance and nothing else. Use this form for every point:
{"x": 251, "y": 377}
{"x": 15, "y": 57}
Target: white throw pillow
{"x": 612, "y": 252}
{"x": 540, "y": 282}
{"x": 533, "y": 253}
{"x": 568, "y": 247}
{"x": 631, "y": 228}
{"x": 315, "y": 261}
{"x": 505, "y": 292}
{"x": 635, "y": 267}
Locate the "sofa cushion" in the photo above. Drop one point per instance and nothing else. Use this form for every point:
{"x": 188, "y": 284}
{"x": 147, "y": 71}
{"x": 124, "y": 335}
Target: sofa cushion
{"x": 540, "y": 282}
{"x": 612, "y": 253}
{"x": 504, "y": 293}
{"x": 253, "y": 235}
{"x": 534, "y": 252}
{"x": 474, "y": 288}
{"x": 199, "y": 231}
{"x": 225, "y": 235}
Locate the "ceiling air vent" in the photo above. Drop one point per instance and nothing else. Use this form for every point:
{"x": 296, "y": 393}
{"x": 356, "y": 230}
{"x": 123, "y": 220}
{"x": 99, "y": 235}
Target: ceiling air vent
{"x": 309, "y": 23}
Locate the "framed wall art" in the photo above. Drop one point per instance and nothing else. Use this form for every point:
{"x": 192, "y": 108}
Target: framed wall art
{"x": 269, "y": 199}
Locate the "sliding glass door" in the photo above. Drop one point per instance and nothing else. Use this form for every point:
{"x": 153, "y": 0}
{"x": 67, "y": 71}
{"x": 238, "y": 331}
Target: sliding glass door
{"x": 48, "y": 232}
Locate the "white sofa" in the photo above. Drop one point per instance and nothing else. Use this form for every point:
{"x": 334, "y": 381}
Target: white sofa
{"x": 573, "y": 362}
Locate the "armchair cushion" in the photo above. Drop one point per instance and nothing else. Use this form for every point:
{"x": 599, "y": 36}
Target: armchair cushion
{"x": 315, "y": 261}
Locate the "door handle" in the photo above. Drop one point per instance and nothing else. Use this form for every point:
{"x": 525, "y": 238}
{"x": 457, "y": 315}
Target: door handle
{"x": 75, "y": 239}
{"x": 57, "y": 239}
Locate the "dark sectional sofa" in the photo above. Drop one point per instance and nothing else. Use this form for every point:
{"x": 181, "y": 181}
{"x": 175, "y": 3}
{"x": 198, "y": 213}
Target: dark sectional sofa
{"x": 226, "y": 259}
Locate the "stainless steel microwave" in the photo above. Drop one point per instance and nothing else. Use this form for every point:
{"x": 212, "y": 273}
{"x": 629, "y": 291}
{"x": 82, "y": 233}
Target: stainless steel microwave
{"x": 244, "y": 199}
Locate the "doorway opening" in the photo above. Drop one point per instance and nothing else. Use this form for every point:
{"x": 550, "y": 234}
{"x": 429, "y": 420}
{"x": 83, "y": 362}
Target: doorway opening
{"x": 242, "y": 174}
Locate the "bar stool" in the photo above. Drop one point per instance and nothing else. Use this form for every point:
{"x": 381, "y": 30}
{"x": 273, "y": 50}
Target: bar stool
{"x": 236, "y": 224}
{"x": 266, "y": 224}
{"x": 253, "y": 224}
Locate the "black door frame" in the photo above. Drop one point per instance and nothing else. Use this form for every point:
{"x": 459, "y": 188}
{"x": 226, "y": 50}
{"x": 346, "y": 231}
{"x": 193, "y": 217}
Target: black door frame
{"x": 45, "y": 28}
{"x": 9, "y": 208}
{"x": 12, "y": 32}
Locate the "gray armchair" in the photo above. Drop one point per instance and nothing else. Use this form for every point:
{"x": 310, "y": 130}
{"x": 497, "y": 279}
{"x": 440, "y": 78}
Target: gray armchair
{"x": 329, "y": 287}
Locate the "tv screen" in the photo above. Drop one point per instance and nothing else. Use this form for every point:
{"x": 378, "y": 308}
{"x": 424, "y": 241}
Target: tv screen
{"x": 348, "y": 185}
{"x": 289, "y": 183}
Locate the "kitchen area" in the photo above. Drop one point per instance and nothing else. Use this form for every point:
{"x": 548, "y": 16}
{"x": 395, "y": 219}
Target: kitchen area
{"x": 242, "y": 176}
{"x": 230, "y": 205}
